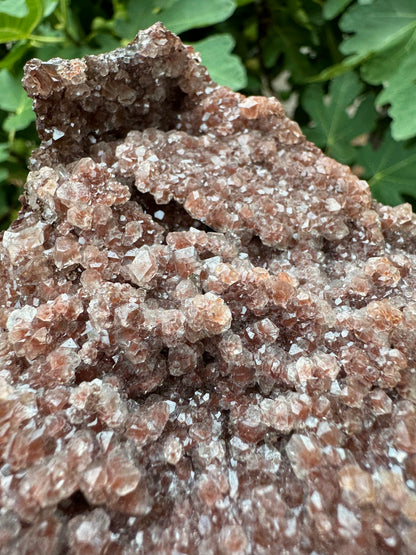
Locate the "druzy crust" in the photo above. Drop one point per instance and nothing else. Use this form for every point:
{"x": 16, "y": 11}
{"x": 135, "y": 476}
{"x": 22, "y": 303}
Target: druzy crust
{"x": 207, "y": 326}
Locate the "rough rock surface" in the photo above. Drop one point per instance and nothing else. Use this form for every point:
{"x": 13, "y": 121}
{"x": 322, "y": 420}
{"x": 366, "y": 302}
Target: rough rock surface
{"x": 207, "y": 327}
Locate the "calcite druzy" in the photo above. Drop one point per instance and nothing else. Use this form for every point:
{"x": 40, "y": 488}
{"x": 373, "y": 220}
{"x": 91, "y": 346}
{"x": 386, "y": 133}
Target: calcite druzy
{"x": 207, "y": 327}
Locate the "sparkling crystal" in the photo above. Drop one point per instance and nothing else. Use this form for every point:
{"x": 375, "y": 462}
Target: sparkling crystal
{"x": 207, "y": 326}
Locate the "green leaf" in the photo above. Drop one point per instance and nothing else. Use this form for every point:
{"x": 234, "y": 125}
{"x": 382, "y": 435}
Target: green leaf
{"x": 330, "y": 72}
{"x": 3, "y": 176}
{"x": 11, "y": 89}
{"x": 15, "y": 28}
{"x": 381, "y": 67}
{"x": 387, "y": 30}
{"x": 69, "y": 21}
{"x": 288, "y": 39}
{"x": 21, "y": 119}
{"x": 14, "y": 56}
{"x": 390, "y": 170}
{"x": 49, "y": 7}
{"x": 299, "y": 14}
{"x": 160, "y": 5}
{"x": 225, "y": 68}
{"x": 399, "y": 74}
{"x": 176, "y": 15}
{"x": 332, "y": 8}
{"x": 270, "y": 50}
{"x": 106, "y": 43}
{"x": 14, "y": 100}
{"x": 16, "y": 8}
{"x": 4, "y": 151}
{"x": 335, "y": 127}
{"x": 377, "y": 26}
{"x": 395, "y": 69}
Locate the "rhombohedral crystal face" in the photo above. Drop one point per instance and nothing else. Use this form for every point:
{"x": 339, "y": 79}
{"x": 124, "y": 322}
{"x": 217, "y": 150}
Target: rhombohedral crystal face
{"x": 207, "y": 327}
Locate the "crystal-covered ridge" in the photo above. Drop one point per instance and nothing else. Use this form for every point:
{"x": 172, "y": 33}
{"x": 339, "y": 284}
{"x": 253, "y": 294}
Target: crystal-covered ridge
{"x": 207, "y": 326}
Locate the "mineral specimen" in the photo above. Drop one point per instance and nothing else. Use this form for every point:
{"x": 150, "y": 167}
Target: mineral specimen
{"x": 208, "y": 328}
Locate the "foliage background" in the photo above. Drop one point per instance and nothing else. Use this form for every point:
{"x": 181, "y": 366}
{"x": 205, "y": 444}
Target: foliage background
{"x": 344, "y": 69}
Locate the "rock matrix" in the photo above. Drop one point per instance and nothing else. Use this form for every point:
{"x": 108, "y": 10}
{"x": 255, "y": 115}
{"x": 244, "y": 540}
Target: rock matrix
{"x": 207, "y": 327}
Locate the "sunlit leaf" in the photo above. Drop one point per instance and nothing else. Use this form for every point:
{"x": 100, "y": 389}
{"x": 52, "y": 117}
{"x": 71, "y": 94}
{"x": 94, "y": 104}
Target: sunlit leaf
{"x": 16, "y": 8}
{"x": 225, "y": 68}
{"x": 15, "y": 28}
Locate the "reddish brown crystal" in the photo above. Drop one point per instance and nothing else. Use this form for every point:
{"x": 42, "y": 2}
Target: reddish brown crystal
{"x": 208, "y": 328}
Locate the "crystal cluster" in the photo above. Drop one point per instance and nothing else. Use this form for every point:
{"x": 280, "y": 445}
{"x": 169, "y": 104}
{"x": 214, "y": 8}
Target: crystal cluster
{"x": 207, "y": 327}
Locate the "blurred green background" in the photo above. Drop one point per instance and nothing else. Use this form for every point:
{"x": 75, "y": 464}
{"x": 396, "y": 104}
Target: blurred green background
{"x": 344, "y": 69}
